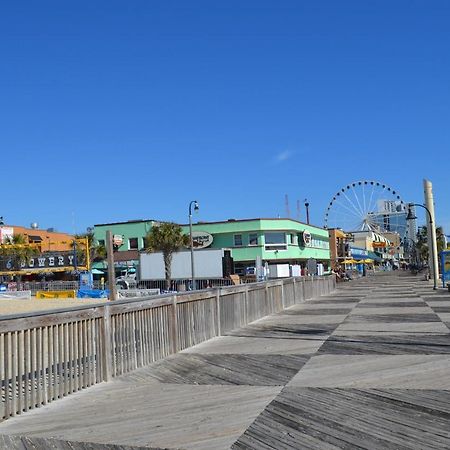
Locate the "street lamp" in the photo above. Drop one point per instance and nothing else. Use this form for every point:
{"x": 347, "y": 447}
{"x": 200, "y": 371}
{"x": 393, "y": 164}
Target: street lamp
{"x": 195, "y": 203}
{"x": 411, "y": 216}
{"x": 307, "y": 210}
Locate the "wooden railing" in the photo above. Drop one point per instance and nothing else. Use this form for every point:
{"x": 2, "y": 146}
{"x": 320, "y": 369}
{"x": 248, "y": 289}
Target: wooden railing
{"x": 45, "y": 356}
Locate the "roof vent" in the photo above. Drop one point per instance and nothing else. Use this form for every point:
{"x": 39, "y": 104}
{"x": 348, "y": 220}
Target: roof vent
{"x": 34, "y": 225}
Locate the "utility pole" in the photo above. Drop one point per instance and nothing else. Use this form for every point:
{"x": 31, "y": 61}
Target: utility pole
{"x": 111, "y": 271}
{"x": 286, "y": 202}
{"x": 431, "y": 231}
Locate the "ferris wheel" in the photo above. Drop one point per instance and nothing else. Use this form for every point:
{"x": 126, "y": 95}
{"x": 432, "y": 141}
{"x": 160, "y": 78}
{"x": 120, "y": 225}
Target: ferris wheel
{"x": 367, "y": 206}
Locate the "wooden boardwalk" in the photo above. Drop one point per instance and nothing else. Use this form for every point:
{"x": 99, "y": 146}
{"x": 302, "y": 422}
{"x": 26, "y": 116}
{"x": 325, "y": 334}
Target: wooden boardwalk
{"x": 366, "y": 367}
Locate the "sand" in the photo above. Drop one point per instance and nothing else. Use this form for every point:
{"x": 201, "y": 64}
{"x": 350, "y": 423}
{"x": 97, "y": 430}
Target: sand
{"x": 18, "y": 306}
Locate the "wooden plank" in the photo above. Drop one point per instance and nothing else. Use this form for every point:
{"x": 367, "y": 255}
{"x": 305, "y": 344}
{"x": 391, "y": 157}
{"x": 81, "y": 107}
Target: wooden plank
{"x": 108, "y": 343}
{"x": 15, "y": 385}
{"x": 39, "y": 375}
{"x": 61, "y": 368}
{"x": 33, "y": 396}
{"x": 44, "y": 365}
{"x": 7, "y": 376}
{"x": 21, "y": 372}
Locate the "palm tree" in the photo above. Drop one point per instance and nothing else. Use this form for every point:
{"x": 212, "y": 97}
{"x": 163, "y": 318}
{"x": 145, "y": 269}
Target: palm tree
{"x": 422, "y": 242}
{"x": 97, "y": 252}
{"x": 440, "y": 239}
{"x": 18, "y": 250}
{"x": 167, "y": 238}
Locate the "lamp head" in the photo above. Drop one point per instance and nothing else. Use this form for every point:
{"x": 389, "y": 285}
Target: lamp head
{"x": 410, "y": 215}
{"x": 196, "y": 207}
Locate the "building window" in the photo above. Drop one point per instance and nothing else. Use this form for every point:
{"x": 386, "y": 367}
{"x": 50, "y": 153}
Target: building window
{"x": 252, "y": 239}
{"x": 275, "y": 241}
{"x": 133, "y": 243}
{"x": 238, "y": 240}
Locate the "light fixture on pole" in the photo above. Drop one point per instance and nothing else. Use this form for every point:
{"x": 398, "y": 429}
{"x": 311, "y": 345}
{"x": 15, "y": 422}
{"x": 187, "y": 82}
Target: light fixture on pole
{"x": 196, "y": 207}
{"x": 307, "y": 210}
{"x": 411, "y": 216}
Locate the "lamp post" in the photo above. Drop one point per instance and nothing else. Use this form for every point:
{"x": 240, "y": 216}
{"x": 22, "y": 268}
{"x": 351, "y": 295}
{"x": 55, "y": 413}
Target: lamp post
{"x": 195, "y": 203}
{"x": 307, "y": 210}
{"x": 431, "y": 246}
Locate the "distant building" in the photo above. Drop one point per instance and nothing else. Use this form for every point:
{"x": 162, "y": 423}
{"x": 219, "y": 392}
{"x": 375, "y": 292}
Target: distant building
{"x": 391, "y": 217}
{"x": 46, "y": 240}
{"x": 39, "y": 253}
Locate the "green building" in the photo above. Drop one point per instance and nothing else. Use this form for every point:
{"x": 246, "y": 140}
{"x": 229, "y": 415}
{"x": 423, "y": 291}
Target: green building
{"x": 132, "y": 234}
{"x": 275, "y": 241}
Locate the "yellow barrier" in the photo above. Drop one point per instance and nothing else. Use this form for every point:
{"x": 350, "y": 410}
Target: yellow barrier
{"x": 56, "y": 294}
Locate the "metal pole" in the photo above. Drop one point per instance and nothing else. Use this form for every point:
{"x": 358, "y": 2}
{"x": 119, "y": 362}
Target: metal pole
{"x": 432, "y": 245}
{"x": 307, "y": 212}
{"x": 432, "y": 248}
{"x": 88, "y": 254}
{"x": 111, "y": 272}
{"x": 192, "y": 248}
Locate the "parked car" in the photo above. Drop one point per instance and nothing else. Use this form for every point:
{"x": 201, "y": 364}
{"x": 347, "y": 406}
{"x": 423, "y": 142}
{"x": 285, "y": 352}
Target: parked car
{"x": 250, "y": 271}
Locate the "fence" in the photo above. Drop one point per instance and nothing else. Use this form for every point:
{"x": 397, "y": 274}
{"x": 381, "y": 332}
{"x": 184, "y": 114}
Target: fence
{"x": 177, "y": 285}
{"x": 47, "y": 356}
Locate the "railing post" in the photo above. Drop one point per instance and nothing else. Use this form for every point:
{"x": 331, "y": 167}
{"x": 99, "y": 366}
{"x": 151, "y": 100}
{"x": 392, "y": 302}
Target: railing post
{"x": 246, "y": 305}
{"x": 106, "y": 344}
{"x": 266, "y": 305}
{"x": 218, "y": 319}
{"x": 174, "y": 325}
{"x": 294, "y": 289}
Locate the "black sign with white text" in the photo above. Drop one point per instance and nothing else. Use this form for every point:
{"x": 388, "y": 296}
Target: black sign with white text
{"x": 43, "y": 261}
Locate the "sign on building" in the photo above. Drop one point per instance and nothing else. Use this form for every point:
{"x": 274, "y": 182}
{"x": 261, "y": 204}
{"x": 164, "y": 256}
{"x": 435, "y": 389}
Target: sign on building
{"x": 117, "y": 240}
{"x": 43, "y": 261}
{"x": 201, "y": 239}
{"x": 306, "y": 238}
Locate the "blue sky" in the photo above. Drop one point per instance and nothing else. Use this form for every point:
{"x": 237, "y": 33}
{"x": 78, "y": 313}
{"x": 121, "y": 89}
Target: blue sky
{"x": 115, "y": 110}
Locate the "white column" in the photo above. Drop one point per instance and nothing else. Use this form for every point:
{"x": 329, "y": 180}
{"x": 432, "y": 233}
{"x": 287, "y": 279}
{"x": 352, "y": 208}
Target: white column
{"x": 431, "y": 230}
